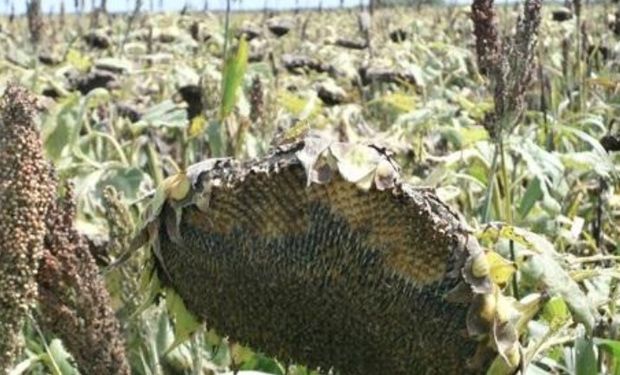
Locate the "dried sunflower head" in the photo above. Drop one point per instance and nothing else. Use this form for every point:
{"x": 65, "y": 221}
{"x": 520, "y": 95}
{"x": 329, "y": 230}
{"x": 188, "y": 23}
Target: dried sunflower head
{"x": 321, "y": 255}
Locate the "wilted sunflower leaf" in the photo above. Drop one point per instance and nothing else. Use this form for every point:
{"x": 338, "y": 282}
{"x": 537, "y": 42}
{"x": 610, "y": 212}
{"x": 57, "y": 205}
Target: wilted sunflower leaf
{"x": 499, "y": 366}
{"x": 479, "y": 284}
{"x": 480, "y": 266}
{"x": 528, "y": 307}
{"x": 355, "y": 162}
{"x": 96, "y": 98}
{"x": 495, "y": 231}
{"x": 171, "y": 216}
{"x": 506, "y": 308}
{"x": 385, "y": 175}
{"x": 309, "y": 154}
{"x": 177, "y": 186}
{"x": 507, "y": 342}
{"x": 481, "y": 314}
{"x": 500, "y": 269}
{"x": 197, "y": 126}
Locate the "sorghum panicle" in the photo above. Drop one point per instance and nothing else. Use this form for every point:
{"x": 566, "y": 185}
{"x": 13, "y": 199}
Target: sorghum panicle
{"x": 26, "y": 192}
{"x": 74, "y": 302}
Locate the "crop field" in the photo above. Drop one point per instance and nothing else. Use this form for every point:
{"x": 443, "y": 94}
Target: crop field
{"x": 502, "y": 118}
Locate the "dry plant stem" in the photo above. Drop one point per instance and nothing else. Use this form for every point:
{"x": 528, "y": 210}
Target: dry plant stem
{"x": 35, "y": 26}
{"x": 132, "y": 18}
{"x": 35, "y": 20}
{"x": 26, "y": 192}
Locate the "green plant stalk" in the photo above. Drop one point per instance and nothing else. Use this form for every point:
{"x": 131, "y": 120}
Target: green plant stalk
{"x": 508, "y": 217}
{"x": 486, "y": 211}
{"x": 52, "y": 366}
{"x": 107, "y": 137}
{"x": 35, "y": 77}
{"x": 507, "y": 214}
{"x": 497, "y": 199}
{"x": 154, "y": 164}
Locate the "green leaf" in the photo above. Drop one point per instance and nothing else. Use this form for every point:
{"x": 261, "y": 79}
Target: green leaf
{"x": 500, "y": 269}
{"x": 585, "y": 359}
{"x": 532, "y": 194}
{"x": 234, "y": 71}
{"x": 61, "y": 129}
{"x": 155, "y": 204}
{"x": 185, "y": 322}
{"x": 355, "y": 162}
{"x": 555, "y": 312}
{"x": 544, "y": 271}
{"x": 612, "y": 347}
{"x": 26, "y": 366}
{"x": 151, "y": 286}
{"x": 58, "y": 360}
{"x": 589, "y": 161}
{"x": 166, "y": 114}
{"x": 131, "y": 182}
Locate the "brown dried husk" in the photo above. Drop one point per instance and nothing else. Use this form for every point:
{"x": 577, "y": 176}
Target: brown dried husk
{"x": 287, "y": 256}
